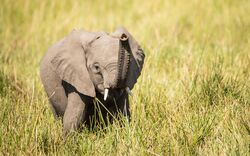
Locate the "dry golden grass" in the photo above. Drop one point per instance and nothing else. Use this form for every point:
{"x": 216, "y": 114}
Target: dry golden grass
{"x": 193, "y": 97}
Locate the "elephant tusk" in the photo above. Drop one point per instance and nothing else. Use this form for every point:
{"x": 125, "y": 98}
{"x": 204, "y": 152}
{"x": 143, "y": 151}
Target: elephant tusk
{"x": 106, "y": 91}
{"x": 129, "y": 92}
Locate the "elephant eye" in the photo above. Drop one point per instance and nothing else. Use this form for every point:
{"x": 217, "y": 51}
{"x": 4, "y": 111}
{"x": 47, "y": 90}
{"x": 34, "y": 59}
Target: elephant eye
{"x": 96, "y": 67}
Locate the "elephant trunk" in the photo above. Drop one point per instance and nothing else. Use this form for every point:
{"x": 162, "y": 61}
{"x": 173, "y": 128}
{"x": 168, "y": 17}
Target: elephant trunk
{"x": 124, "y": 55}
{"x": 123, "y": 61}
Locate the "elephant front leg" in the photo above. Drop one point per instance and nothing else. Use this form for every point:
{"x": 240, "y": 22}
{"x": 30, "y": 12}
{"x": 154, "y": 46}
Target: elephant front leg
{"x": 122, "y": 106}
{"x": 75, "y": 113}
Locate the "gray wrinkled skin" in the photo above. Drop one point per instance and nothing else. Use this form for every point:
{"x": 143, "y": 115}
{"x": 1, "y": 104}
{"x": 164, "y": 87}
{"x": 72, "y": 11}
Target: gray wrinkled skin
{"x": 77, "y": 68}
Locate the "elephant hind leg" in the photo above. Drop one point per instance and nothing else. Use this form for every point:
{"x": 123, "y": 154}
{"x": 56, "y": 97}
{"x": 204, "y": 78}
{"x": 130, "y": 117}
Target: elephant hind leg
{"x": 54, "y": 89}
{"x": 58, "y": 101}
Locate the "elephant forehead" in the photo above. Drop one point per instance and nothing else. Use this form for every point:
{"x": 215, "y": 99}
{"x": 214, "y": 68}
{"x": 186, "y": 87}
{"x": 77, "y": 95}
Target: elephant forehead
{"x": 105, "y": 46}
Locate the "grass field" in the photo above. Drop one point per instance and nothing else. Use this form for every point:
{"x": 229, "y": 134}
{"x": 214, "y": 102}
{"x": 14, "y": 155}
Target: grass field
{"x": 193, "y": 97}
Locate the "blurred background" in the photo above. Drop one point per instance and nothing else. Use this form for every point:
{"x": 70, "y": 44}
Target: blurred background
{"x": 193, "y": 95}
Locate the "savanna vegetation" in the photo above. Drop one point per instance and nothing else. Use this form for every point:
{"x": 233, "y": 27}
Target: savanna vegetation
{"x": 193, "y": 97}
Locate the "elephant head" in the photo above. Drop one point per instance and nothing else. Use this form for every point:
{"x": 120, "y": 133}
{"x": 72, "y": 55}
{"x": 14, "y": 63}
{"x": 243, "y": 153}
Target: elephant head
{"x": 99, "y": 61}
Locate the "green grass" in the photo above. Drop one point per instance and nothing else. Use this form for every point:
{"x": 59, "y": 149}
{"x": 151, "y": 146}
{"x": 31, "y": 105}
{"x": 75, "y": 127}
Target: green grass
{"x": 193, "y": 97}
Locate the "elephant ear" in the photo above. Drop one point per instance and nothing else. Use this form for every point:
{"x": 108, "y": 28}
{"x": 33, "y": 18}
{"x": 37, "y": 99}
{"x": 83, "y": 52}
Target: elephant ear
{"x": 136, "y": 58}
{"x": 69, "y": 61}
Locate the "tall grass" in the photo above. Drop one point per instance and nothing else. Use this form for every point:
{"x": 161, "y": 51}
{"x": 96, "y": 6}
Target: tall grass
{"x": 193, "y": 97}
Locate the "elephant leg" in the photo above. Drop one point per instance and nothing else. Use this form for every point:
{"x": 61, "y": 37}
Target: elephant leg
{"x": 75, "y": 113}
{"x": 123, "y": 106}
{"x": 58, "y": 101}
{"x": 54, "y": 89}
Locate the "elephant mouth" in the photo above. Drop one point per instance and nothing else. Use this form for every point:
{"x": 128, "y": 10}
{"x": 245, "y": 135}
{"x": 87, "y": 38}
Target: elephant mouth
{"x": 100, "y": 88}
{"x": 114, "y": 94}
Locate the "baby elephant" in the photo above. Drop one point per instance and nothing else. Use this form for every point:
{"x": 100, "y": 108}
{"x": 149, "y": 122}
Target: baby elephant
{"x": 88, "y": 65}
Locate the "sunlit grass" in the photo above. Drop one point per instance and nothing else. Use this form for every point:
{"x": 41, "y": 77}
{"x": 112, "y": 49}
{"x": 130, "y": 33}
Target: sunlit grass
{"x": 193, "y": 97}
